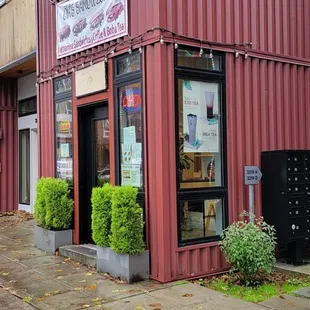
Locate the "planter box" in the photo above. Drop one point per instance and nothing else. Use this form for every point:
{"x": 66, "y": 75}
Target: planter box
{"x": 131, "y": 268}
{"x": 50, "y": 240}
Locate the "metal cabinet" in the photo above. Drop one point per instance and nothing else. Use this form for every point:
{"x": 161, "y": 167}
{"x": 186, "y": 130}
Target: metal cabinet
{"x": 286, "y": 196}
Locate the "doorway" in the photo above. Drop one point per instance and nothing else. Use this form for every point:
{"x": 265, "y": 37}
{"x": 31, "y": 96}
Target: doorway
{"x": 94, "y": 160}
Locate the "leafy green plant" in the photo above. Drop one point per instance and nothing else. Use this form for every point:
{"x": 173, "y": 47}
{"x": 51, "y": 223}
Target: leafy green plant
{"x": 249, "y": 247}
{"x": 127, "y": 221}
{"x": 53, "y": 208}
{"x": 101, "y": 214}
{"x": 185, "y": 161}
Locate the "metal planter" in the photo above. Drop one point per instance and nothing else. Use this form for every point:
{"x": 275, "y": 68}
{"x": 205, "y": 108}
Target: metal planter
{"x": 50, "y": 240}
{"x": 130, "y": 268}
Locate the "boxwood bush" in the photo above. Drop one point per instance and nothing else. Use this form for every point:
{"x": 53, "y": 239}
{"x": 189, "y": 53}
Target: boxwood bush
{"x": 101, "y": 200}
{"x": 249, "y": 248}
{"x": 53, "y": 208}
{"x": 127, "y": 222}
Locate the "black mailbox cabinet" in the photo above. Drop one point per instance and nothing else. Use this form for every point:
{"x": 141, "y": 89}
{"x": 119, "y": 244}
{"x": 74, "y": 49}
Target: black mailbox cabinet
{"x": 286, "y": 195}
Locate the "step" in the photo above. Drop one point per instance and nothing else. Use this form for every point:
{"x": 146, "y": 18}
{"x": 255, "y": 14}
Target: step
{"x": 85, "y": 253}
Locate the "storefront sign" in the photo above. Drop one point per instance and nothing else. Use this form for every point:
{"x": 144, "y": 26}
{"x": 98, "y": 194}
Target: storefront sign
{"x": 81, "y": 24}
{"x": 131, "y": 175}
{"x": 200, "y": 117}
{"x": 90, "y": 80}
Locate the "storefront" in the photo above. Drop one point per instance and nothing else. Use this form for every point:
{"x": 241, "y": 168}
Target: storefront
{"x": 175, "y": 110}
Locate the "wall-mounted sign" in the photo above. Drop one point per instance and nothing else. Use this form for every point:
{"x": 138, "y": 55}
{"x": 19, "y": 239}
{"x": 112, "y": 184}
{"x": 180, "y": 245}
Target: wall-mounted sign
{"x": 90, "y": 80}
{"x": 82, "y": 24}
{"x": 64, "y": 127}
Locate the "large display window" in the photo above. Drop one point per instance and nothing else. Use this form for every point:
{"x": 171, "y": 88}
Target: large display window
{"x": 128, "y": 89}
{"x": 63, "y": 129}
{"x": 200, "y": 147}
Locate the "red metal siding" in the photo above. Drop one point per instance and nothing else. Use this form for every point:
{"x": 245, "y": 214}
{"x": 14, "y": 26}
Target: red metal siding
{"x": 267, "y": 107}
{"x": 8, "y": 146}
{"x": 278, "y": 26}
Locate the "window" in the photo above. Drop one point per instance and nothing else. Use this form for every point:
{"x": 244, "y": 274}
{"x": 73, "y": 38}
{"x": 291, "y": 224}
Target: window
{"x": 200, "y": 142}
{"x": 27, "y": 107}
{"x": 64, "y": 129}
{"x": 128, "y": 87}
{"x": 2, "y": 3}
{"x": 24, "y": 166}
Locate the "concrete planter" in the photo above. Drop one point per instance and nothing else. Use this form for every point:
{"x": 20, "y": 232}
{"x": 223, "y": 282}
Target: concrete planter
{"x": 50, "y": 240}
{"x": 130, "y": 268}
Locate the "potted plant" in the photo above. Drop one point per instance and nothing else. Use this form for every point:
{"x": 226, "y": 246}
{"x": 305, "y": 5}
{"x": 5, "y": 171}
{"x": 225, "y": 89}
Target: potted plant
{"x": 123, "y": 254}
{"x": 53, "y": 214}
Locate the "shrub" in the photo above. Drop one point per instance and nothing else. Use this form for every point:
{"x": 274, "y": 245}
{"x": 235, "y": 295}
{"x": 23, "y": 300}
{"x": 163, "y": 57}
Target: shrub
{"x": 249, "y": 248}
{"x": 127, "y": 221}
{"x": 101, "y": 214}
{"x": 53, "y": 208}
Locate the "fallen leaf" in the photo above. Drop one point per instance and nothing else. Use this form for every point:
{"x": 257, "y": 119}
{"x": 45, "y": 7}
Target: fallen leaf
{"x": 155, "y": 305}
{"x": 86, "y": 306}
{"x": 282, "y": 297}
{"x": 59, "y": 277}
{"x": 67, "y": 259}
{"x": 5, "y": 273}
{"x": 139, "y": 308}
{"x": 58, "y": 270}
{"x": 224, "y": 288}
{"x": 92, "y": 287}
{"x": 38, "y": 278}
{"x": 47, "y": 294}
{"x": 188, "y": 295}
{"x": 88, "y": 273}
{"x": 82, "y": 281}
{"x": 27, "y": 299}
{"x": 56, "y": 292}
{"x": 78, "y": 288}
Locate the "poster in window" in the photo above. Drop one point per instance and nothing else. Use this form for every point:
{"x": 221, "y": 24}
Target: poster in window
{"x": 200, "y": 117}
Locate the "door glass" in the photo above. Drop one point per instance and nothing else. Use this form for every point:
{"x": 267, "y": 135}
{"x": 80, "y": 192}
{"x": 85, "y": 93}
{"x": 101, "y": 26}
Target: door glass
{"x": 24, "y": 166}
{"x": 102, "y": 152}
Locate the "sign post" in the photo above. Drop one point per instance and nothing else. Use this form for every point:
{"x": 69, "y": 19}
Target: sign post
{"x": 252, "y": 176}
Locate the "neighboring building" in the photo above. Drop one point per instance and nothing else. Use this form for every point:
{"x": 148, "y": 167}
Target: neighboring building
{"x": 177, "y": 111}
{"x": 18, "y": 127}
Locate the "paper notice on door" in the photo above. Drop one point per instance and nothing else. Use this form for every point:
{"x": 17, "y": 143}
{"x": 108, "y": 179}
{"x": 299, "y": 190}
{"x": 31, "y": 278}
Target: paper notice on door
{"x": 130, "y": 135}
{"x": 136, "y": 149}
{"x": 126, "y": 154}
{"x": 64, "y": 150}
{"x": 131, "y": 175}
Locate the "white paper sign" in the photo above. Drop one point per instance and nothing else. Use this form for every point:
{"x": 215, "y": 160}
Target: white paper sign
{"x": 64, "y": 150}
{"x": 129, "y": 135}
{"x": 81, "y": 24}
{"x": 131, "y": 175}
{"x": 200, "y": 117}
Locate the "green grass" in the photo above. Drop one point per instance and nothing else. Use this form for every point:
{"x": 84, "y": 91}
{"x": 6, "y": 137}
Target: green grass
{"x": 258, "y": 293}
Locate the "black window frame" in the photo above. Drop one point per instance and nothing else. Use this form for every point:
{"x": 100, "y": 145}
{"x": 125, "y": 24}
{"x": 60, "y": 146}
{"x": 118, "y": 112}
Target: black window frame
{"x": 121, "y": 80}
{"x": 209, "y": 193}
{"x": 25, "y": 100}
{"x": 58, "y": 98}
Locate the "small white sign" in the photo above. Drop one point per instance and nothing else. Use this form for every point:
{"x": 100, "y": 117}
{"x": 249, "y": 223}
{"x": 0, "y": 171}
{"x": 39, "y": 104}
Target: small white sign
{"x": 252, "y": 175}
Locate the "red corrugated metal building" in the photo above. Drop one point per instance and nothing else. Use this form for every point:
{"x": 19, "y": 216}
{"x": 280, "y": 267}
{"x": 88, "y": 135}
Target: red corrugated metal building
{"x": 260, "y": 101}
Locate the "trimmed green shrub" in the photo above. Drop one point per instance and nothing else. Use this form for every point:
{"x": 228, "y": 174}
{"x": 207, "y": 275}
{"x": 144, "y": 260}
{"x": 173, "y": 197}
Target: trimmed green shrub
{"x": 53, "y": 208}
{"x": 127, "y": 221}
{"x": 101, "y": 200}
{"x": 250, "y": 248}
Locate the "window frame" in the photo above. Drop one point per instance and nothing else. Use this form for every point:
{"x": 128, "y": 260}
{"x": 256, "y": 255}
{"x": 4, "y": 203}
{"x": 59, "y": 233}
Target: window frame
{"x": 208, "y": 193}
{"x": 121, "y": 80}
{"x": 25, "y": 100}
{"x": 27, "y": 130}
{"x": 58, "y": 98}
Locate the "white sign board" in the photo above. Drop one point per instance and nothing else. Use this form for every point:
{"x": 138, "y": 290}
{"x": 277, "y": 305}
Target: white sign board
{"x": 90, "y": 80}
{"x": 82, "y": 24}
{"x": 252, "y": 175}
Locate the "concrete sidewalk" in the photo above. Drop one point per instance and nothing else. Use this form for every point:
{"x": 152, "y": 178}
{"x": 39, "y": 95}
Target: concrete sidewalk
{"x": 31, "y": 279}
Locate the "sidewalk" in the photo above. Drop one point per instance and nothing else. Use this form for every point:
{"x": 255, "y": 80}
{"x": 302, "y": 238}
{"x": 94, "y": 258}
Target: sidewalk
{"x": 52, "y": 282}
